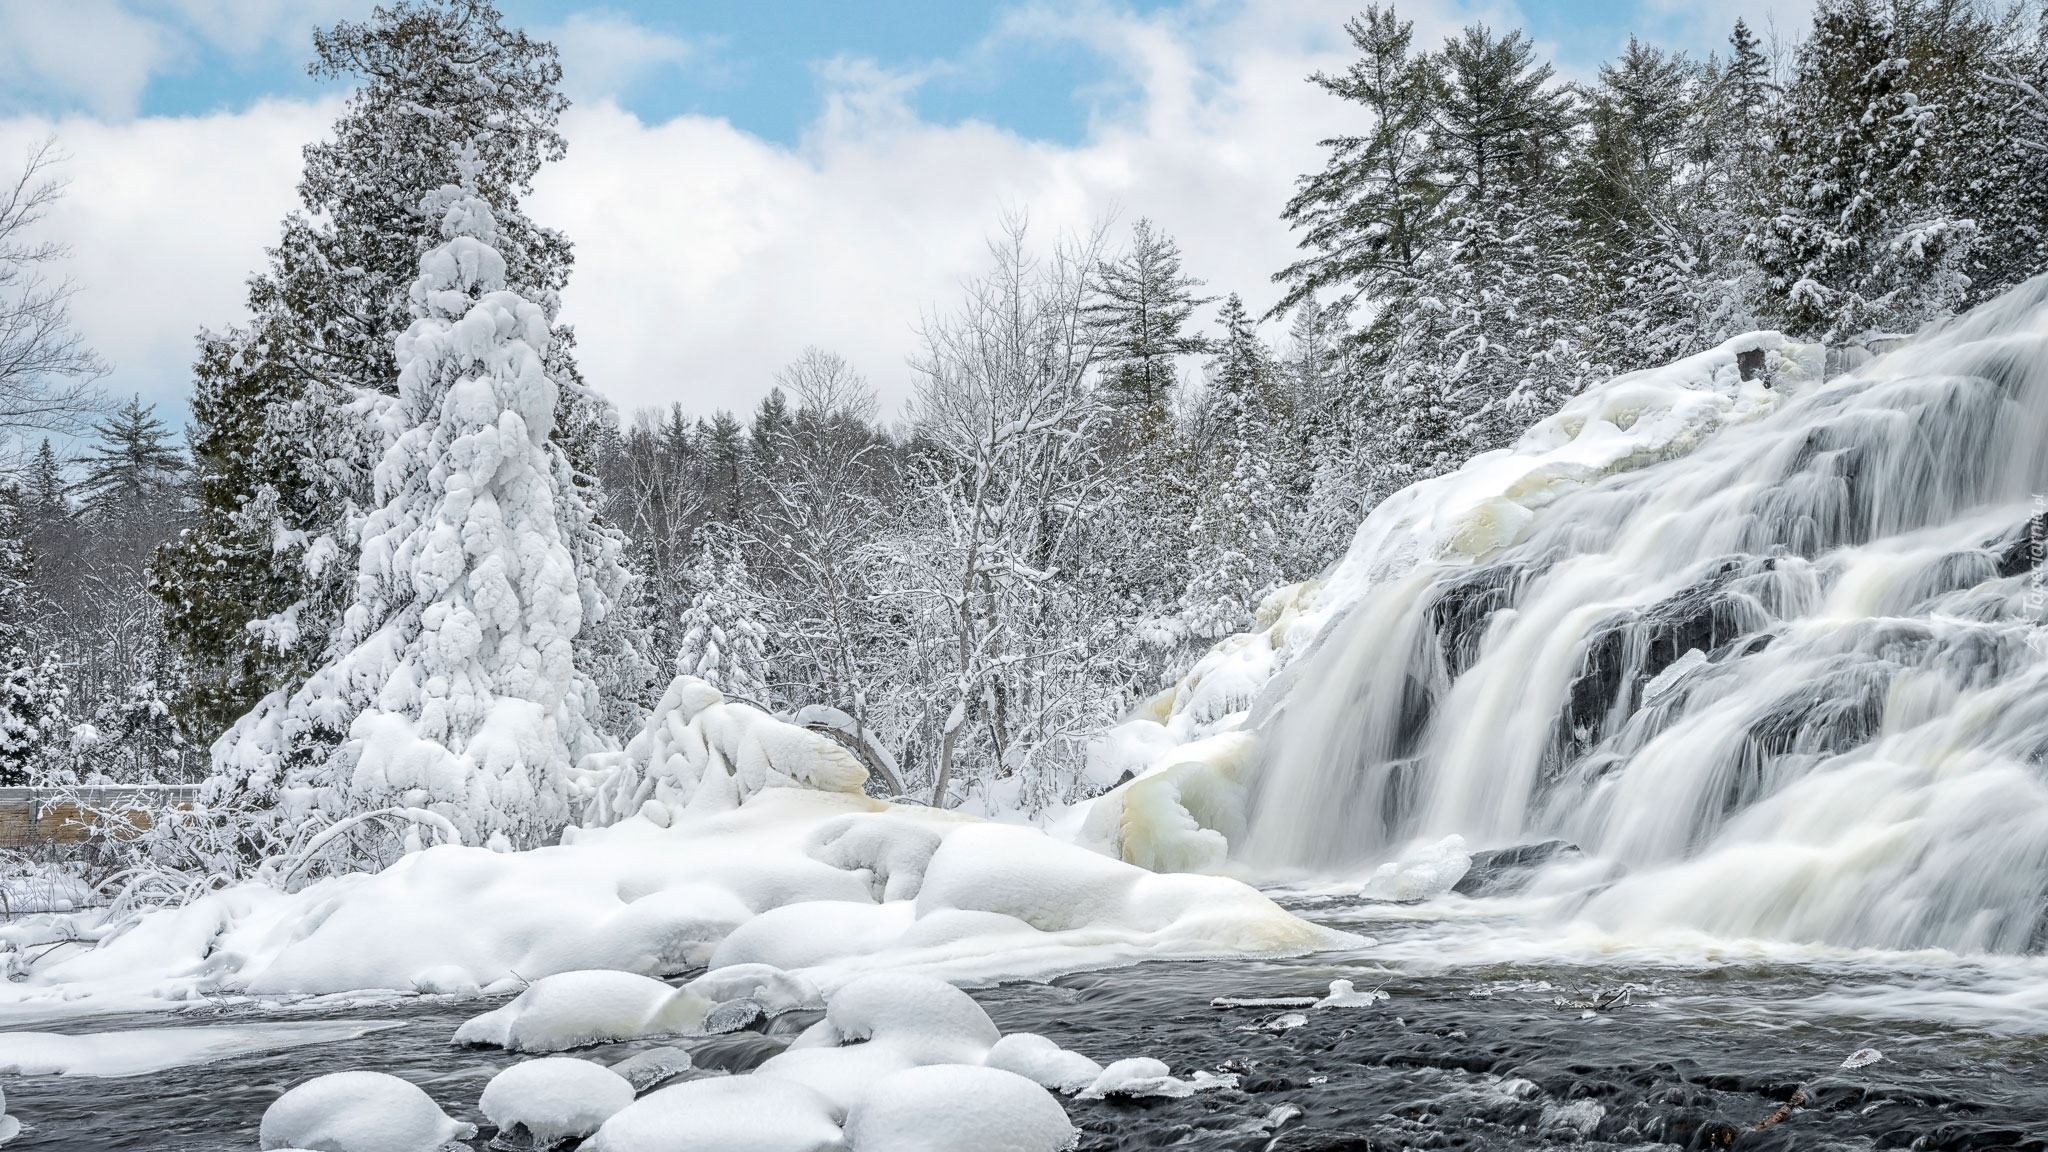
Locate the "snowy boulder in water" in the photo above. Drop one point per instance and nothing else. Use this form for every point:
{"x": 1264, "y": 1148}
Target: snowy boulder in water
{"x": 359, "y": 1112}
{"x": 879, "y": 1025}
{"x": 555, "y": 1098}
{"x": 958, "y": 1108}
{"x": 907, "y": 1006}
{"x": 571, "y": 1009}
{"x": 1043, "y": 1062}
{"x": 729, "y": 1114}
{"x": 9, "y": 1126}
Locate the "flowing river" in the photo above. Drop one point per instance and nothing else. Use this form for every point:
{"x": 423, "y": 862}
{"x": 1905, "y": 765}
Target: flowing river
{"x": 1472, "y": 1049}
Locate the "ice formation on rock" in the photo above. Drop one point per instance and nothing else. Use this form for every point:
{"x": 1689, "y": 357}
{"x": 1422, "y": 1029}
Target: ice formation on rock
{"x": 1145, "y": 1076}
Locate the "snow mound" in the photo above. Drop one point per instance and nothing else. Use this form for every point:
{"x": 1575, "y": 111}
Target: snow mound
{"x": 1043, "y": 1062}
{"x": 1145, "y": 1076}
{"x": 728, "y": 1113}
{"x": 742, "y": 886}
{"x": 1179, "y": 796}
{"x": 901, "y": 1005}
{"x": 359, "y": 1112}
{"x": 957, "y": 1108}
{"x": 699, "y": 753}
{"x": 572, "y": 1009}
{"x": 555, "y": 1098}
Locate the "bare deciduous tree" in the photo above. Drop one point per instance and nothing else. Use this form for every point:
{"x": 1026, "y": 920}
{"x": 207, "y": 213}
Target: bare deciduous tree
{"x": 1003, "y": 416}
{"x": 47, "y": 373}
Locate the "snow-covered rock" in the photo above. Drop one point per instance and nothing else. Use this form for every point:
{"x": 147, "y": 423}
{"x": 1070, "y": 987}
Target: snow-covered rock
{"x": 877, "y": 1026}
{"x": 1043, "y": 1062}
{"x": 359, "y": 1112}
{"x": 728, "y": 1113}
{"x": 554, "y": 1098}
{"x": 571, "y": 1009}
{"x": 10, "y": 1127}
{"x": 958, "y": 1108}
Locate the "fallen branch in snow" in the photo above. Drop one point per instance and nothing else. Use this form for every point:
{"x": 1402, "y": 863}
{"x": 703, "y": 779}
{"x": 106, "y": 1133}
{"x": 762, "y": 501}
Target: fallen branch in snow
{"x": 848, "y": 733}
{"x": 415, "y": 816}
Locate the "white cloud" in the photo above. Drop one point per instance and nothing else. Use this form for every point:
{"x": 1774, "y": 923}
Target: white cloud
{"x": 708, "y": 257}
{"x": 606, "y": 54}
{"x": 41, "y": 53}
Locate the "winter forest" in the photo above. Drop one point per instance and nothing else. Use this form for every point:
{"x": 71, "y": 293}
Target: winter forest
{"x": 406, "y": 580}
{"x": 1105, "y": 466}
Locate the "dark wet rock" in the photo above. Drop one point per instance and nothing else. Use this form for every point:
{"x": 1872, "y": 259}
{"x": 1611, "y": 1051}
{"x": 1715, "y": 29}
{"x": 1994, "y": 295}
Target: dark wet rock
{"x": 1506, "y": 871}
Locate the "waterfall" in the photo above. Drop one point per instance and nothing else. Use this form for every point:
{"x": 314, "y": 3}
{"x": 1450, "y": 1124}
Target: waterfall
{"x": 1789, "y": 683}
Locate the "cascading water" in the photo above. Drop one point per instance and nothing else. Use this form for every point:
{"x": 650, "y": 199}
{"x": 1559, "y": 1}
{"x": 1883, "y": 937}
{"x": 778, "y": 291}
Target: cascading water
{"x": 1791, "y": 684}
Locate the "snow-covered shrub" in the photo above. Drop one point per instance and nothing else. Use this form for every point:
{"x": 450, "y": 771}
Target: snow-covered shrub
{"x": 701, "y": 753}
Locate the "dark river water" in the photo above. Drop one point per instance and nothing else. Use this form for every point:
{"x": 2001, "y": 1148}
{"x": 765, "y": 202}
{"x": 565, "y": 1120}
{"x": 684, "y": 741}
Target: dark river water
{"x": 1474, "y": 1056}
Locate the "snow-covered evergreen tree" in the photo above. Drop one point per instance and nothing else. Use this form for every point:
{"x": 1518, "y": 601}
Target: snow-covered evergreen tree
{"x": 725, "y": 641}
{"x": 32, "y": 690}
{"x": 1369, "y": 214}
{"x": 1856, "y": 236}
{"x": 1234, "y": 558}
{"x": 254, "y": 592}
{"x": 1140, "y": 310}
{"x": 452, "y": 684}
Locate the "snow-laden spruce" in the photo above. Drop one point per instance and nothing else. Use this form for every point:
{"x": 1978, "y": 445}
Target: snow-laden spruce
{"x": 451, "y": 698}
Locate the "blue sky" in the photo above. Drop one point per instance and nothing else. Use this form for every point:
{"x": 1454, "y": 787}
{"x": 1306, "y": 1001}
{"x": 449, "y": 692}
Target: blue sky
{"x": 743, "y": 179}
{"x": 764, "y": 65}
